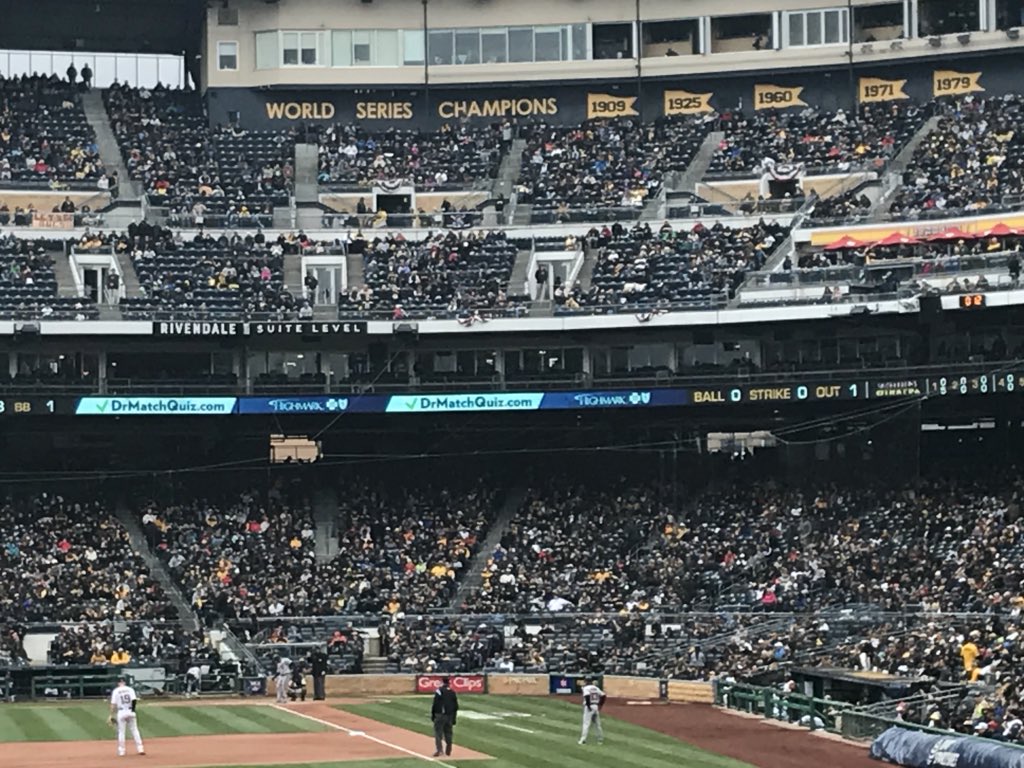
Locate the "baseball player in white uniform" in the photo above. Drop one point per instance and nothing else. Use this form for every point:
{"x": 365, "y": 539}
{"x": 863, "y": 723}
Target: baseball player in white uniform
{"x": 193, "y": 681}
{"x": 122, "y": 708}
{"x": 593, "y": 700}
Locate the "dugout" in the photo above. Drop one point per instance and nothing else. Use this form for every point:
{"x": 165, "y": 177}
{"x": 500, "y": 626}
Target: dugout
{"x": 856, "y": 686}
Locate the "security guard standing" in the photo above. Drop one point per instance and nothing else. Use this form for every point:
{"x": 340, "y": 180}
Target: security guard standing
{"x": 443, "y": 712}
{"x": 318, "y": 667}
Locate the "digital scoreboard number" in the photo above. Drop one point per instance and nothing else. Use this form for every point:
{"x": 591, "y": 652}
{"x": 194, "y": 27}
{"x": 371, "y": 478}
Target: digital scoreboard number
{"x": 972, "y": 301}
{"x": 27, "y": 406}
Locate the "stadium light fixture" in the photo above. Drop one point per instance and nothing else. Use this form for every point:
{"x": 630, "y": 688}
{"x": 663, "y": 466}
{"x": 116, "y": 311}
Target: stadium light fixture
{"x": 935, "y": 42}
{"x": 963, "y": 38}
{"x": 1013, "y": 33}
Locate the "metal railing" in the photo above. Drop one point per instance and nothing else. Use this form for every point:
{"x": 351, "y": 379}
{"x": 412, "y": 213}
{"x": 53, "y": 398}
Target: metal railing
{"x": 421, "y": 220}
{"x": 773, "y": 704}
{"x": 495, "y": 382}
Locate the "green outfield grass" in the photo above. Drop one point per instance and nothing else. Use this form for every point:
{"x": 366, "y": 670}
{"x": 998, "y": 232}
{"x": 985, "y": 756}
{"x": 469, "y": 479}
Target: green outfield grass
{"x": 88, "y": 721}
{"x": 541, "y": 733}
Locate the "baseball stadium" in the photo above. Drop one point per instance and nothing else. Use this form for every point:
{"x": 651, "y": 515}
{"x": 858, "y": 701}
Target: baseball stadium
{"x": 592, "y": 384}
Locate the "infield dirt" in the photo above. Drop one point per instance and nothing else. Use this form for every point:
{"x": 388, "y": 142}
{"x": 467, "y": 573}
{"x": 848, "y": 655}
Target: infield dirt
{"x": 239, "y": 749}
{"x": 750, "y": 740}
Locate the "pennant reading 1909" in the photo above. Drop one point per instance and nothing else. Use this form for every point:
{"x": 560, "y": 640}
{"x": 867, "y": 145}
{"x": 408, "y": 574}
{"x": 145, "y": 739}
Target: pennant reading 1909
{"x": 604, "y": 105}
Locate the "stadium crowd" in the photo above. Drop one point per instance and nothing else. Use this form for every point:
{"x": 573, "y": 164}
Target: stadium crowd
{"x": 445, "y": 274}
{"x": 647, "y": 269}
{"x": 823, "y": 142}
{"x": 44, "y": 135}
{"x": 249, "y": 557}
{"x": 63, "y": 560}
{"x": 602, "y": 168}
{"x": 456, "y": 156}
{"x": 223, "y": 176}
{"x": 969, "y": 163}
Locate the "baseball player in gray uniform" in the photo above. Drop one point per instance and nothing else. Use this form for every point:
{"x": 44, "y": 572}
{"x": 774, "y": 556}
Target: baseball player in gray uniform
{"x": 282, "y": 676}
{"x": 593, "y": 700}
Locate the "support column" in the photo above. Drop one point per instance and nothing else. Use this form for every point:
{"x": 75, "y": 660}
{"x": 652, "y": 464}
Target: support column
{"x": 703, "y": 35}
{"x": 988, "y": 18}
{"x": 777, "y": 30}
{"x": 910, "y": 16}
{"x": 101, "y": 372}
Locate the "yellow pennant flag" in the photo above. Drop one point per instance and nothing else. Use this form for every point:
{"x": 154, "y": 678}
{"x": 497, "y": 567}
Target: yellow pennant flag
{"x": 686, "y": 103}
{"x": 778, "y": 96}
{"x": 874, "y": 89}
{"x": 603, "y": 105}
{"x": 946, "y": 82}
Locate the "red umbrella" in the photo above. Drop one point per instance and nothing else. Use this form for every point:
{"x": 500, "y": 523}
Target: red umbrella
{"x": 951, "y": 234}
{"x": 898, "y": 238}
{"x": 999, "y": 230}
{"x": 845, "y": 242}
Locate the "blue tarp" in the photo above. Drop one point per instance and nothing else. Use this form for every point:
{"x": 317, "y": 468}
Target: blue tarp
{"x": 924, "y": 750}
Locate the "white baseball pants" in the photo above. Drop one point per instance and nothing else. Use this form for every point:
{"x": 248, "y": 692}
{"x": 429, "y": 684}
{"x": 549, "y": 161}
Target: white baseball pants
{"x": 128, "y": 719}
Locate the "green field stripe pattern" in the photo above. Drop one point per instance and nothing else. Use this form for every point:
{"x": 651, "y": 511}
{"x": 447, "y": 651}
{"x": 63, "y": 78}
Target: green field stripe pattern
{"x": 542, "y": 733}
{"x": 84, "y": 722}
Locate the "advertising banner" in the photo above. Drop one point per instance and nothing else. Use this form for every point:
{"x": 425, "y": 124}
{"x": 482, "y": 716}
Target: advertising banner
{"x": 203, "y": 328}
{"x": 458, "y": 683}
{"x": 570, "y": 685}
{"x": 156, "y": 406}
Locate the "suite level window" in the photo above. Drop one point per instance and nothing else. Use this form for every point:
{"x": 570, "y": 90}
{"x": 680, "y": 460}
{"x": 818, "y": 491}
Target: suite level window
{"x": 227, "y": 56}
{"x": 498, "y": 45}
{"x": 828, "y": 26}
{"x": 299, "y": 49}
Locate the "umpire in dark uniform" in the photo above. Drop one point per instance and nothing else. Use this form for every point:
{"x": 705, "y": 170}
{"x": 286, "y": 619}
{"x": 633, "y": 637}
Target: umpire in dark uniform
{"x": 318, "y": 667}
{"x": 443, "y": 712}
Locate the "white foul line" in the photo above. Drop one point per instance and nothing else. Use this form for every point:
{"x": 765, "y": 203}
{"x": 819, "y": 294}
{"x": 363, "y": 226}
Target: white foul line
{"x": 365, "y": 735}
{"x": 514, "y": 728}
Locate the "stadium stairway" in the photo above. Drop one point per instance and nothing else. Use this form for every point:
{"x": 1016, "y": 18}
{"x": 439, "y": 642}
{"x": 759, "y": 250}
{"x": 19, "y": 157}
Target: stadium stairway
{"x": 306, "y": 198}
{"x": 586, "y": 272}
{"x": 293, "y": 274}
{"x": 325, "y": 520}
{"x": 523, "y": 215}
{"x": 517, "y": 283}
{"x": 354, "y": 271}
{"x": 472, "y": 580}
{"x": 894, "y": 172}
{"x": 687, "y": 181}
{"x": 157, "y": 569}
{"x": 129, "y": 277}
{"x": 306, "y": 161}
{"x": 110, "y": 152}
{"x": 508, "y": 171}
{"x": 67, "y": 287}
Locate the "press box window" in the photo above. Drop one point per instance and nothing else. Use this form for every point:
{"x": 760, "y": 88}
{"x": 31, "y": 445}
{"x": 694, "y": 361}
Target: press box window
{"x": 824, "y": 27}
{"x": 227, "y": 56}
{"x": 299, "y": 49}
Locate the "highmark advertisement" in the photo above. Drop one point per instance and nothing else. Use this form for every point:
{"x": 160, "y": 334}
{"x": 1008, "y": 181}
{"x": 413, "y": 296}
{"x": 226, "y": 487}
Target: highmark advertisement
{"x": 369, "y": 403}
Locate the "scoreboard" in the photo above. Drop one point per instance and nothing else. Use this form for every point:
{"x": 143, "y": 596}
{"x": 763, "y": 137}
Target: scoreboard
{"x": 897, "y": 387}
